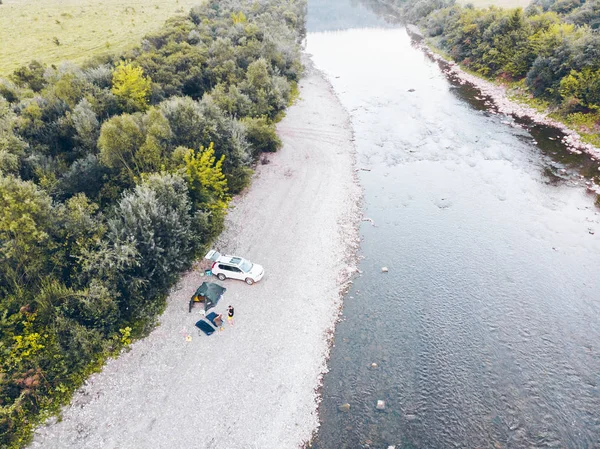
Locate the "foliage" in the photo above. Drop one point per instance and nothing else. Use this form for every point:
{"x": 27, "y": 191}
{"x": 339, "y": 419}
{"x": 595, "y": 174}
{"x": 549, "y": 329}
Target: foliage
{"x": 12, "y": 146}
{"x": 31, "y": 76}
{"x": 157, "y": 219}
{"x": 26, "y": 214}
{"x": 238, "y": 18}
{"x": 134, "y": 144}
{"x": 268, "y": 94}
{"x": 262, "y": 135}
{"x": 197, "y": 123}
{"x": 207, "y": 184}
{"x": 131, "y": 86}
{"x": 586, "y": 14}
{"x": 583, "y": 87}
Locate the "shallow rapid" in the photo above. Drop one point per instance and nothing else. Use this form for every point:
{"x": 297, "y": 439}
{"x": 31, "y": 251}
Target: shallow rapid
{"x": 485, "y": 331}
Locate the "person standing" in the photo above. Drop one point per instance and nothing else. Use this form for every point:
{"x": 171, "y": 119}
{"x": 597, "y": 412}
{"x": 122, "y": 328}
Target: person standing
{"x": 230, "y": 312}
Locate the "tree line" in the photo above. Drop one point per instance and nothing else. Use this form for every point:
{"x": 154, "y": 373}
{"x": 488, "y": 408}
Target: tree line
{"x": 115, "y": 175}
{"x": 552, "y": 47}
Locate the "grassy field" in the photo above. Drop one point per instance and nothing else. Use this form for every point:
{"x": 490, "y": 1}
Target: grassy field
{"x": 499, "y": 3}
{"x": 52, "y": 31}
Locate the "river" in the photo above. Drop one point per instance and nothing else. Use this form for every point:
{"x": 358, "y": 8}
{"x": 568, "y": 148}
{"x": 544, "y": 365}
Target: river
{"x": 485, "y": 331}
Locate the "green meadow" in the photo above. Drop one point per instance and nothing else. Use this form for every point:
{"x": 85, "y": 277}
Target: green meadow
{"x": 52, "y": 31}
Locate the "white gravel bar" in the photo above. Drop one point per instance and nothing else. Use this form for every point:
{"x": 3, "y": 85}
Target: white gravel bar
{"x": 253, "y": 385}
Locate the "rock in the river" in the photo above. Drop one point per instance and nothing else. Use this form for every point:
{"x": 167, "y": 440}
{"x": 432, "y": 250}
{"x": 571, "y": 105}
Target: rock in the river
{"x": 344, "y": 408}
{"x": 380, "y": 405}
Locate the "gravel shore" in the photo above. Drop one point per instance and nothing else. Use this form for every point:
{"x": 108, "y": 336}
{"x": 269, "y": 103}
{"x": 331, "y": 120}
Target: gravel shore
{"x": 253, "y": 385}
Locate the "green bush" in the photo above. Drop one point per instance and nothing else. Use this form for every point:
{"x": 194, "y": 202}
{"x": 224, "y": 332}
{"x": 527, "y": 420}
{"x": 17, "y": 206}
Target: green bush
{"x": 239, "y": 179}
{"x": 261, "y": 135}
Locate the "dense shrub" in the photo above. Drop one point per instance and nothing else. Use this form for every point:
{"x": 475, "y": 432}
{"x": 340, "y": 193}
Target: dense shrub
{"x": 261, "y": 135}
{"x": 157, "y": 219}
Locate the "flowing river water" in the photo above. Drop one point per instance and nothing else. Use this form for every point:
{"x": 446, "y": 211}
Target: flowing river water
{"x": 486, "y": 329}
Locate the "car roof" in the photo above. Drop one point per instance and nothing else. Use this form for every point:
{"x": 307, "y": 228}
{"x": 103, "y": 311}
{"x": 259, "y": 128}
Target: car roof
{"x": 233, "y": 260}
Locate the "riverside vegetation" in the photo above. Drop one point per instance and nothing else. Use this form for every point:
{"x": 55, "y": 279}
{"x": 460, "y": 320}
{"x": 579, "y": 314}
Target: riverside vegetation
{"x": 114, "y": 176}
{"x": 548, "y": 54}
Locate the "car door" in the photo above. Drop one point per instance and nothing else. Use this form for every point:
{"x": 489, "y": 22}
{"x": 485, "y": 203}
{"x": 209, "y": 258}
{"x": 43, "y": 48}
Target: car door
{"x": 236, "y": 273}
{"x": 223, "y": 269}
{"x": 213, "y": 255}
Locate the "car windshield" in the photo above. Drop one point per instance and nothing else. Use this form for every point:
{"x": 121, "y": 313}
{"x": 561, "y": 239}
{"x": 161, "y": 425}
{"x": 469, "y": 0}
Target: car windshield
{"x": 245, "y": 265}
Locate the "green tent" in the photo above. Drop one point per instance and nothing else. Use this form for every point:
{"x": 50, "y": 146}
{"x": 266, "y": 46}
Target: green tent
{"x": 209, "y": 293}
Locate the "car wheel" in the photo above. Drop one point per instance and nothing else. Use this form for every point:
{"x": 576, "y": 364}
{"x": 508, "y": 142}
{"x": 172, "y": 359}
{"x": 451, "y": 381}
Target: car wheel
{"x": 249, "y": 281}
{"x": 221, "y": 276}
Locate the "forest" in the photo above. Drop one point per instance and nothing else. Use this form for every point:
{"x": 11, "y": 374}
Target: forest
{"x": 550, "y": 50}
{"x": 115, "y": 176}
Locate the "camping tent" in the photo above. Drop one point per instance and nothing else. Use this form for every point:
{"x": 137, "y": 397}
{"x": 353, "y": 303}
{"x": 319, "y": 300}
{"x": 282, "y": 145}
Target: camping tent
{"x": 209, "y": 293}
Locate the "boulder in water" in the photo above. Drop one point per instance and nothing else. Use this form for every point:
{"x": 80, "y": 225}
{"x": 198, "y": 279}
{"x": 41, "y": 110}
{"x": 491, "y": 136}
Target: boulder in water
{"x": 344, "y": 408}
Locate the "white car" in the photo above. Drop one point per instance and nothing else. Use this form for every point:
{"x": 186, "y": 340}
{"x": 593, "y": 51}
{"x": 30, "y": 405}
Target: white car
{"x": 234, "y": 267}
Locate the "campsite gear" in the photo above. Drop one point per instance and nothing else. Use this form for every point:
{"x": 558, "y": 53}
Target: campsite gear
{"x": 205, "y": 327}
{"x": 216, "y": 320}
{"x": 208, "y": 293}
